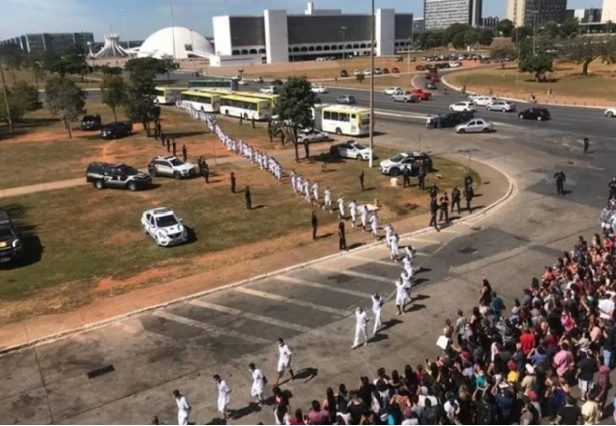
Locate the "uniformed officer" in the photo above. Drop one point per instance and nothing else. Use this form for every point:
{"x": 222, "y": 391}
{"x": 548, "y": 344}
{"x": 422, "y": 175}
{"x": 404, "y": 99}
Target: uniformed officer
{"x": 233, "y": 182}
{"x": 433, "y": 212}
{"x": 468, "y": 180}
{"x": 560, "y": 179}
{"x": 406, "y": 177}
{"x": 174, "y": 146}
{"x": 361, "y": 180}
{"x": 433, "y": 191}
{"x": 469, "y": 193}
{"x": 200, "y": 165}
{"x": 421, "y": 177}
{"x": 162, "y": 138}
{"x": 248, "y": 198}
{"x": 184, "y": 153}
{"x": 456, "y": 196}
{"x": 206, "y": 172}
{"x": 444, "y": 206}
{"x": 168, "y": 144}
{"x": 586, "y": 145}
{"x": 341, "y": 235}
{"x": 314, "y": 222}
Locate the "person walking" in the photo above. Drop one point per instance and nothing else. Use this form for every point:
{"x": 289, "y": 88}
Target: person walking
{"x": 327, "y": 199}
{"x": 314, "y": 222}
{"x": 401, "y": 296}
{"x": 224, "y": 396}
{"x": 248, "y": 198}
{"x": 421, "y": 177}
{"x": 444, "y": 206}
{"x": 258, "y": 383}
{"x": 174, "y": 147}
{"x": 456, "y": 197}
{"x": 364, "y": 217}
{"x": 560, "y": 179}
{"x": 353, "y": 211}
{"x": 374, "y": 225}
{"x": 377, "y": 307}
{"x": 184, "y": 153}
{"x": 168, "y": 141}
{"x": 586, "y": 145}
{"x": 206, "y": 173}
{"x": 340, "y": 202}
{"x": 183, "y": 407}
{"x": 394, "y": 247}
{"x": 233, "y": 182}
{"x": 433, "y": 212}
{"x": 341, "y": 235}
{"x": 284, "y": 360}
{"x": 361, "y": 324}
{"x": 469, "y": 193}
{"x": 362, "y": 176}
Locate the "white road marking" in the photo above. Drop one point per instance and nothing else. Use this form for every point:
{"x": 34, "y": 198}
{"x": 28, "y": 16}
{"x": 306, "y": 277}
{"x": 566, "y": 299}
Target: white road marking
{"x": 278, "y": 298}
{"x": 322, "y": 286}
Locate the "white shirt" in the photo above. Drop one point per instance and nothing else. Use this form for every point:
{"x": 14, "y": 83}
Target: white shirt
{"x": 400, "y": 290}
{"x": 353, "y": 208}
{"x": 374, "y": 221}
{"x": 284, "y": 354}
{"x": 183, "y": 405}
{"x": 340, "y": 202}
{"x": 361, "y": 319}
{"x": 406, "y": 279}
{"x": 606, "y": 308}
{"x": 377, "y": 304}
{"x": 223, "y": 389}
{"x": 257, "y": 378}
{"x": 327, "y": 194}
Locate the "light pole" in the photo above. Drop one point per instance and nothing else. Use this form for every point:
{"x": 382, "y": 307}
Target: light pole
{"x": 126, "y": 29}
{"x": 408, "y": 55}
{"x": 372, "y": 20}
{"x": 343, "y": 31}
{"x": 172, "y": 28}
{"x": 517, "y": 72}
{"x": 535, "y": 12}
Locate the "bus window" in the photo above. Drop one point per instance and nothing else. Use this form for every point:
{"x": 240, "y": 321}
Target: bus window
{"x": 344, "y": 116}
{"x": 335, "y": 116}
{"x": 327, "y": 115}
{"x": 353, "y": 116}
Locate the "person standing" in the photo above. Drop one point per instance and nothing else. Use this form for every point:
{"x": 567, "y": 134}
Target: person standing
{"x": 560, "y": 179}
{"x": 456, "y": 197}
{"x": 206, "y": 172}
{"x": 394, "y": 247}
{"x": 224, "y": 396}
{"x": 444, "y": 206}
{"x": 159, "y": 129}
{"x": 248, "y": 198}
{"x": 421, "y": 177}
{"x": 469, "y": 193}
{"x": 353, "y": 211}
{"x": 362, "y": 176}
{"x": 433, "y": 191}
{"x": 315, "y": 193}
{"x": 284, "y": 360}
{"x": 361, "y": 324}
{"x": 174, "y": 147}
{"x": 586, "y": 145}
{"x": 258, "y": 383}
{"x": 374, "y": 225}
{"x": 377, "y": 307}
{"x": 341, "y": 235}
{"x": 184, "y": 153}
{"x": 314, "y": 222}
{"x": 406, "y": 177}
{"x": 468, "y": 180}
{"x": 327, "y": 199}
{"x": 433, "y": 213}
{"x": 233, "y": 182}
{"x": 168, "y": 145}
{"x": 183, "y": 407}
{"x": 364, "y": 217}
{"x": 401, "y": 296}
{"x": 340, "y": 202}
{"x": 162, "y": 139}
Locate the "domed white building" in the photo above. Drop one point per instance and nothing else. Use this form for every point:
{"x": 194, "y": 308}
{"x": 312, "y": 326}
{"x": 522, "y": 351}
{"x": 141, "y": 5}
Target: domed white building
{"x": 177, "y": 42}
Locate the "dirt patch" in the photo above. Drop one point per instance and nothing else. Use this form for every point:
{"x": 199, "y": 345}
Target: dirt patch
{"x": 110, "y": 284}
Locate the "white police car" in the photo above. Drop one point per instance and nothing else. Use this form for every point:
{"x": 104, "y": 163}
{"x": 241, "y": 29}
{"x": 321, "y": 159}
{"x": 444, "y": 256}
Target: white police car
{"x": 164, "y": 226}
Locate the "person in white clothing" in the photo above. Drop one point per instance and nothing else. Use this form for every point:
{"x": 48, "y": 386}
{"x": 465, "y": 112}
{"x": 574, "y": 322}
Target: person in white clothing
{"x": 410, "y": 252}
{"x": 315, "y": 193}
{"x": 393, "y": 247}
{"x": 361, "y": 324}
{"x": 284, "y": 360}
{"x": 364, "y": 217}
{"x": 340, "y": 202}
{"x": 353, "y": 211}
{"x": 327, "y": 199}
{"x": 401, "y": 296}
{"x": 374, "y": 225}
{"x": 258, "y": 383}
{"x": 293, "y": 181}
{"x": 389, "y": 232}
{"x": 183, "y": 407}
{"x": 224, "y": 396}
{"x": 407, "y": 264}
{"x": 407, "y": 282}
{"x": 377, "y": 306}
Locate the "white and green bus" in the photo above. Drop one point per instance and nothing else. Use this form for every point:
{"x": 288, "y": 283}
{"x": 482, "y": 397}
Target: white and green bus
{"x": 201, "y": 101}
{"x": 342, "y": 119}
{"x": 244, "y": 107}
{"x": 166, "y": 95}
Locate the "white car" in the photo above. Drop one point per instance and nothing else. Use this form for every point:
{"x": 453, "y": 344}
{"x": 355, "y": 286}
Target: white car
{"x": 351, "y": 149}
{"x": 171, "y": 166}
{"x": 269, "y": 90}
{"x": 258, "y": 79}
{"x": 483, "y": 100}
{"x": 393, "y": 90}
{"x": 367, "y": 71}
{"x": 610, "y": 112}
{"x": 312, "y": 135}
{"x": 242, "y": 83}
{"x": 462, "y": 106}
{"x": 396, "y": 164}
{"x": 319, "y": 89}
{"x": 472, "y": 98}
{"x": 164, "y": 226}
{"x": 502, "y": 106}
{"x": 455, "y": 64}
{"x": 476, "y": 125}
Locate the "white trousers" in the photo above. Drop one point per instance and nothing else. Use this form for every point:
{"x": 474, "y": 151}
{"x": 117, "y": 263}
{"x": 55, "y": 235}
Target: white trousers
{"x": 360, "y": 332}
{"x": 182, "y": 418}
{"x": 377, "y": 320}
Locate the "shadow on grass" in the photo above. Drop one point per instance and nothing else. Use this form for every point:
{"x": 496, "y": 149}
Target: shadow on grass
{"x": 26, "y": 126}
{"x": 32, "y": 247}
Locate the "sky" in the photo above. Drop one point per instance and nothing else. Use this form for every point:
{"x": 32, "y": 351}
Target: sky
{"x": 140, "y": 18}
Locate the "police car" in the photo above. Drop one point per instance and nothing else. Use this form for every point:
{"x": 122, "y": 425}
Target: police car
{"x": 164, "y": 226}
{"x": 396, "y": 164}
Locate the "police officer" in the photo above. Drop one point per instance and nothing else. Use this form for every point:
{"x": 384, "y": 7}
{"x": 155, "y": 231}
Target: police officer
{"x": 421, "y": 177}
{"x": 612, "y": 188}
{"x": 314, "y": 222}
{"x": 468, "y": 180}
{"x": 162, "y": 138}
{"x": 233, "y": 182}
{"x": 586, "y": 145}
{"x": 560, "y": 179}
{"x": 341, "y": 235}
{"x": 184, "y": 153}
{"x": 433, "y": 191}
{"x": 433, "y": 212}
{"x": 469, "y": 193}
{"x": 444, "y": 206}
{"x": 168, "y": 144}
{"x": 406, "y": 176}
{"x": 456, "y": 196}
{"x": 206, "y": 172}
{"x": 361, "y": 180}
{"x": 248, "y": 198}
{"x": 175, "y": 147}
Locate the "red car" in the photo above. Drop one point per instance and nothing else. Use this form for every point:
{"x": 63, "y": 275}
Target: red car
{"x": 421, "y": 95}
{"x": 395, "y": 70}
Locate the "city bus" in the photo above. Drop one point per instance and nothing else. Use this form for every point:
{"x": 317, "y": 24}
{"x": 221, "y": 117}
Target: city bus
{"x": 244, "y": 107}
{"x": 213, "y": 83}
{"x": 166, "y": 95}
{"x": 201, "y": 101}
{"x": 273, "y": 99}
{"x": 342, "y": 119}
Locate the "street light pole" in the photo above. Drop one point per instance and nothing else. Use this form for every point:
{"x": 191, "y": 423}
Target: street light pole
{"x": 343, "y": 30}
{"x": 126, "y": 29}
{"x": 372, "y": 87}
{"x": 172, "y": 28}
{"x": 535, "y": 12}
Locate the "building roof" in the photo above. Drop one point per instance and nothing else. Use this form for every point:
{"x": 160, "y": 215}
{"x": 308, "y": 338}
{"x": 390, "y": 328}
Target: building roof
{"x": 177, "y": 42}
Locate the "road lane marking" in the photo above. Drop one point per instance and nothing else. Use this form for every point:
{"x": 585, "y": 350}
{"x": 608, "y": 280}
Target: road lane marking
{"x": 248, "y": 315}
{"x": 211, "y": 329}
{"x": 354, "y": 273}
{"x": 270, "y": 296}
{"x": 313, "y": 284}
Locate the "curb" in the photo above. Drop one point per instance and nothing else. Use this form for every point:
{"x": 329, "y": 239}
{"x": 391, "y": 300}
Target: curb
{"x": 511, "y": 191}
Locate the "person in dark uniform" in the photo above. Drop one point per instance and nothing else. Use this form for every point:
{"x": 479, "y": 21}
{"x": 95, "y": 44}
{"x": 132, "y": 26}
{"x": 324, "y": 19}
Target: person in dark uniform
{"x": 168, "y": 144}
{"x": 560, "y": 179}
{"x": 157, "y": 129}
{"x": 361, "y": 180}
{"x": 184, "y": 153}
{"x": 341, "y": 235}
{"x": 456, "y": 196}
{"x": 252, "y": 120}
{"x": 586, "y": 145}
{"x": 433, "y": 191}
{"x": 162, "y": 138}
{"x": 248, "y": 198}
{"x": 174, "y": 147}
{"x": 307, "y": 149}
{"x": 612, "y": 188}
{"x": 206, "y": 172}
{"x": 469, "y": 193}
{"x": 433, "y": 212}
{"x": 421, "y": 177}
{"x": 200, "y": 165}
{"x": 406, "y": 177}
{"x": 314, "y": 222}
{"x": 444, "y": 206}
{"x": 468, "y": 180}
{"x": 233, "y": 182}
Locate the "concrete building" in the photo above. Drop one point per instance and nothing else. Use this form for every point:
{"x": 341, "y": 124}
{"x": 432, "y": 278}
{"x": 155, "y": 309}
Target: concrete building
{"x": 440, "y": 14}
{"x": 280, "y": 37}
{"x": 526, "y": 13}
{"x": 419, "y": 25}
{"x": 490, "y": 22}
{"x": 609, "y": 11}
{"x": 51, "y": 42}
{"x": 584, "y": 16}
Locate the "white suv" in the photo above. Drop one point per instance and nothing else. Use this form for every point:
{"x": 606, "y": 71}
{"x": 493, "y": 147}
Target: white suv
{"x": 269, "y": 90}
{"x": 171, "y": 166}
{"x": 462, "y": 106}
{"x": 610, "y": 112}
{"x": 164, "y": 226}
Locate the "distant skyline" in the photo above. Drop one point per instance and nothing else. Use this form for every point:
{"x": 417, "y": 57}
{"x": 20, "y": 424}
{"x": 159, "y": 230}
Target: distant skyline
{"x": 147, "y": 16}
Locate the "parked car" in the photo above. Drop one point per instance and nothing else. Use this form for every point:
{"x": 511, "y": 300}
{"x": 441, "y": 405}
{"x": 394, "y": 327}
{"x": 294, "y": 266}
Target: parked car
{"x": 462, "y": 106}
{"x": 396, "y": 164}
{"x": 242, "y": 82}
{"x": 276, "y": 82}
{"x": 452, "y": 119}
{"x": 421, "y": 95}
{"x": 385, "y": 70}
{"x": 164, "y": 226}
{"x": 311, "y": 136}
{"x": 11, "y": 246}
{"x": 91, "y": 122}
{"x": 106, "y": 175}
{"x": 319, "y": 89}
{"x": 344, "y": 73}
{"x": 429, "y": 85}
{"x": 258, "y": 79}
{"x": 404, "y": 97}
{"x": 346, "y": 99}
{"x": 610, "y": 112}
{"x": 357, "y": 72}
{"x": 367, "y": 71}
{"x": 392, "y": 90}
{"x": 483, "y": 100}
{"x": 539, "y": 114}
{"x": 502, "y": 106}
{"x": 395, "y": 70}
{"x": 455, "y": 64}
{"x": 171, "y": 167}
{"x": 476, "y": 125}
{"x": 269, "y": 90}
{"x": 116, "y": 130}
{"x": 351, "y": 149}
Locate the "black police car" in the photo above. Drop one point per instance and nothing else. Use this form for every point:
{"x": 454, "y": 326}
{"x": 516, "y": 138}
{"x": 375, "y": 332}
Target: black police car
{"x": 11, "y": 248}
{"x": 91, "y": 122}
{"x": 105, "y": 175}
{"x": 116, "y": 130}
{"x": 539, "y": 114}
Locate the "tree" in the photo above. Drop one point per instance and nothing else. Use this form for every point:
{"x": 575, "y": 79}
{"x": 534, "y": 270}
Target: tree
{"x": 584, "y": 50}
{"x": 551, "y": 30}
{"x": 23, "y": 98}
{"x": 504, "y": 54}
{"x": 152, "y": 66}
{"x": 570, "y": 27}
{"x": 536, "y": 64}
{"x": 113, "y": 93}
{"x": 107, "y": 70}
{"x": 12, "y": 56}
{"x": 453, "y": 30}
{"x": 520, "y": 33}
{"x": 168, "y": 64}
{"x": 295, "y": 106}
{"x": 505, "y": 27}
{"x": 65, "y": 100}
{"x": 74, "y": 60}
{"x": 53, "y": 63}
{"x": 458, "y": 41}
{"x": 485, "y": 36}
{"x": 139, "y": 102}
{"x": 470, "y": 37}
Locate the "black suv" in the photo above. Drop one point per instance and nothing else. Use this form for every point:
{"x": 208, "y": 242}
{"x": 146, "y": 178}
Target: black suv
{"x": 452, "y": 119}
{"x": 91, "y": 122}
{"x": 116, "y": 130}
{"x": 11, "y": 248}
{"x": 105, "y": 175}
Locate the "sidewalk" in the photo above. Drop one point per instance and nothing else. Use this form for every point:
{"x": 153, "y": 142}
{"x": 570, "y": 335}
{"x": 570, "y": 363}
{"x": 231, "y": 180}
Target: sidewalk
{"x": 494, "y": 186}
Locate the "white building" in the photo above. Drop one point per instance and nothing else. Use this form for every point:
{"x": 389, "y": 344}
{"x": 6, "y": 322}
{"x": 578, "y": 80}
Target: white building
{"x": 176, "y": 42}
{"x": 526, "y": 13}
{"x": 440, "y": 14}
{"x": 279, "y": 37}
{"x": 609, "y": 11}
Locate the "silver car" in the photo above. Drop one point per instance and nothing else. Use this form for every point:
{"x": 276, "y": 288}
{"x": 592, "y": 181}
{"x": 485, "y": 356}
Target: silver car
{"x": 476, "y": 125}
{"x": 502, "y": 106}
